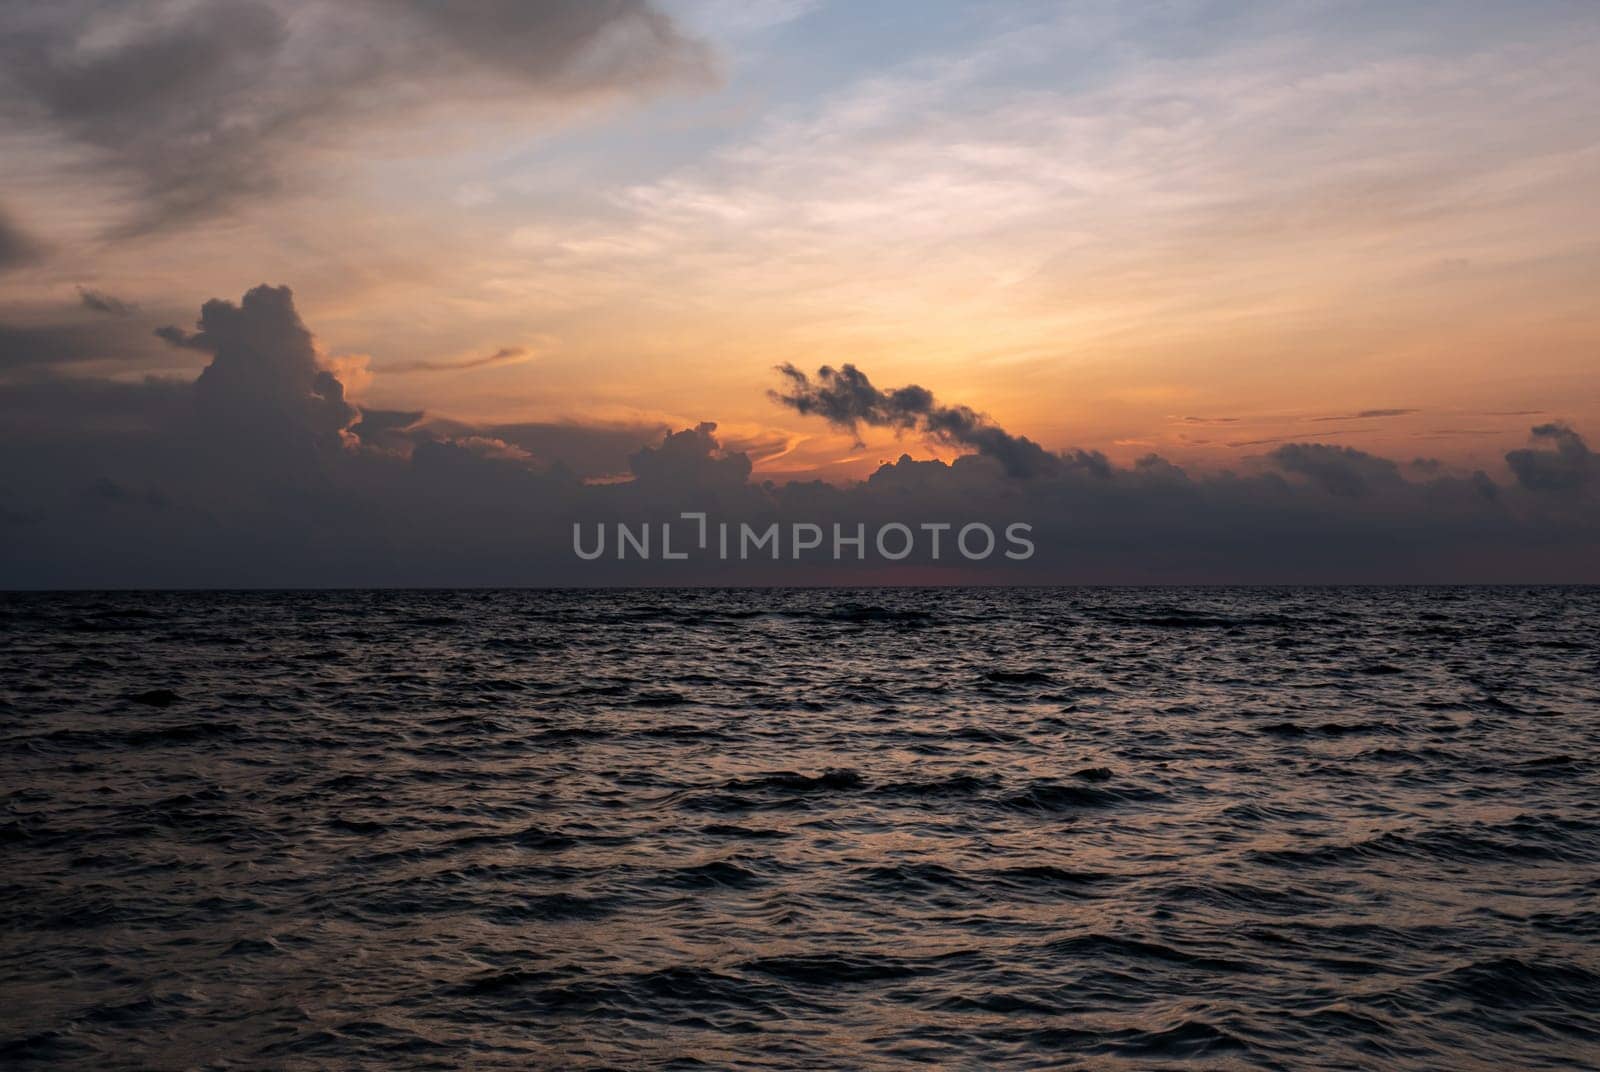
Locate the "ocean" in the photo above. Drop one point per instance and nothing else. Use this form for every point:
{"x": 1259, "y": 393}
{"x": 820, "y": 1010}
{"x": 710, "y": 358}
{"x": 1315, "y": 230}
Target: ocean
{"x": 1253, "y": 828}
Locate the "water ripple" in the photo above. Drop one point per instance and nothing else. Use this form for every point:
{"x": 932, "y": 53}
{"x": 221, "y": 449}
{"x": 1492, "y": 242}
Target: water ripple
{"x": 1107, "y": 828}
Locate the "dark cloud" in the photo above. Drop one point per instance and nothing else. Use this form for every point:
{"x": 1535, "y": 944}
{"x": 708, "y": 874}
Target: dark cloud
{"x": 582, "y": 451}
{"x": 82, "y": 409}
{"x": 1341, "y": 471}
{"x": 846, "y": 399}
{"x": 385, "y": 429}
{"x": 101, "y": 302}
{"x": 1568, "y": 466}
{"x": 573, "y": 44}
{"x": 17, "y": 247}
{"x": 21, "y": 345}
{"x": 182, "y": 339}
{"x": 202, "y": 105}
{"x": 264, "y": 375}
{"x": 586, "y": 450}
{"x": 185, "y": 103}
{"x": 690, "y": 460}
{"x": 260, "y": 472}
{"x": 39, "y": 339}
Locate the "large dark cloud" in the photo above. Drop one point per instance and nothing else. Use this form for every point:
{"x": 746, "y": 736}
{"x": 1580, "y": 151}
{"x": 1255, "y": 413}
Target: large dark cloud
{"x": 261, "y": 472}
{"x": 265, "y": 379}
{"x": 1342, "y": 471}
{"x": 690, "y": 461}
{"x": 1568, "y": 466}
{"x": 201, "y": 105}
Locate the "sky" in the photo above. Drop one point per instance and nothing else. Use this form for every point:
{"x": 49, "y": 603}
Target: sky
{"x": 551, "y": 233}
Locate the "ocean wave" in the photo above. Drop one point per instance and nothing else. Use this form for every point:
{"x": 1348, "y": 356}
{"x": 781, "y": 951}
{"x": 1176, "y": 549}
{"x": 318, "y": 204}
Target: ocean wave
{"x": 796, "y": 829}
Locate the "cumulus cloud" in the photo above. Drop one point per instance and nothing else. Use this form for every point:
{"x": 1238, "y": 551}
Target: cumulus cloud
{"x": 846, "y": 399}
{"x": 1342, "y": 471}
{"x": 1568, "y": 466}
{"x": 268, "y": 402}
{"x": 265, "y": 373}
{"x": 202, "y": 105}
{"x": 259, "y": 471}
{"x": 691, "y": 459}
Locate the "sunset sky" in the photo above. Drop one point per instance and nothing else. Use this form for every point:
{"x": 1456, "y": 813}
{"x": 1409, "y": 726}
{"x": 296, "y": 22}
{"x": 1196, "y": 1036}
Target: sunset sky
{"x": 1198, "y": 228}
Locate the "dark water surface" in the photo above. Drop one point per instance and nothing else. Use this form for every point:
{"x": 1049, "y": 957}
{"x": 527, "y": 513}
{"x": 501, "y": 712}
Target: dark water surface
{"x": 1296, "y": 828}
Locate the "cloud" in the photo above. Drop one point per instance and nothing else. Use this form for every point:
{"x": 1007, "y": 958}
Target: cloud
{"x": 259, "y": 471}
{"x": 587, "y": 451}
{"x": 17, "y": 247}
{"x": 567, "y": 44}
{"x": 266, "y": 385}
{"x": 506, "y": 355}
{"x": 1342, "y": 471}
{"x": 688, "y": 461}
{"x": 1290, "y": 439}
{"x": 203, "y": 105}
{"x": 846, "y": 399}
{"x": 24, "y": 345}
{"x": 265, "y": 359}
{"x": 52, "y": 337}
{"x": 1368, "y": 414}
{"x": 1570, "y": 465}
{"x": 181, "y": 338}
{"x": 490, "y": 447}
{"x": 101, "y": 302}
{"x": 385, "y": 429}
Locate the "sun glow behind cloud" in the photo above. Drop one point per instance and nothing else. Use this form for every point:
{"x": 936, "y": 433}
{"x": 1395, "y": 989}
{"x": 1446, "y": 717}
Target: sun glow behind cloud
{"x": 1095, "y": 223}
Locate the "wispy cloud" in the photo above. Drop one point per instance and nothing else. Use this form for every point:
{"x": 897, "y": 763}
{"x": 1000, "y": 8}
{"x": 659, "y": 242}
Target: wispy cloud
{"x": 101, "y": 302}
{"x": 1366, "y": 414}
{"x": 204, "y": 105}
{"x": 506, "y": 355}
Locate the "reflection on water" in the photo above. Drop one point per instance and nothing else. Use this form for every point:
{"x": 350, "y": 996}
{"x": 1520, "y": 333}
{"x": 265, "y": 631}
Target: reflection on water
{"x": 801, "y": 829}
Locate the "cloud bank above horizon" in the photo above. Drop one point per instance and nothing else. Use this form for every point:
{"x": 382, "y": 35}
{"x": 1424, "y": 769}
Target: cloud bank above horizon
{"x": 261, "y": 472}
